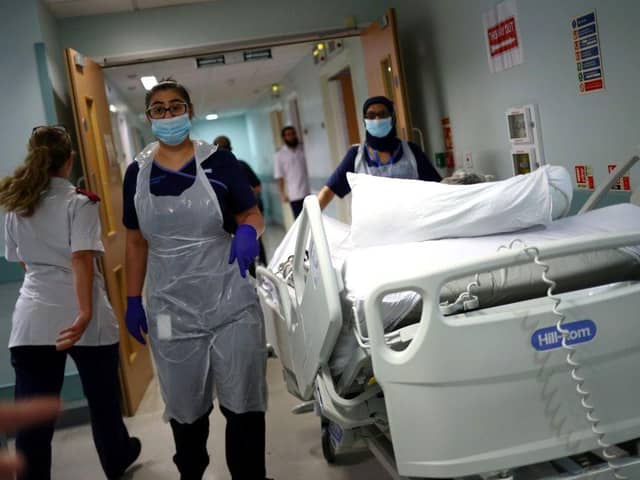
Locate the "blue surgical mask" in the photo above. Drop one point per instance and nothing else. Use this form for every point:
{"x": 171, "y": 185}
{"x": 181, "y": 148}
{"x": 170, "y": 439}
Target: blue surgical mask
{"x": 379, "y": 128}
{"x": 171, "y": 131}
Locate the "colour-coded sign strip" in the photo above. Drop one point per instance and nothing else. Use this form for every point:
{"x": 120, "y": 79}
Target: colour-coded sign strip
{"x": 584, "y": 177}
{"x": 623, "y": 183}
{"x": 588, "y": 55}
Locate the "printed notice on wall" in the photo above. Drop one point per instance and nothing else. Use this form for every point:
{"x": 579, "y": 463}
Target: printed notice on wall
{"x": 504, "y": 47}
{"x": 584, "y": 177}
{"x": 623, "y": 184}
{"x": 588, "y": 56}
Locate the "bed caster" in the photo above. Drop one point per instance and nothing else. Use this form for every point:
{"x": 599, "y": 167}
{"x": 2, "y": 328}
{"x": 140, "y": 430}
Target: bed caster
{"x": 328, "y": 450}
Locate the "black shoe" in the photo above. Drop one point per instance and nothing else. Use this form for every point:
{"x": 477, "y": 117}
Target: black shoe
{"x": 135, "y": 447}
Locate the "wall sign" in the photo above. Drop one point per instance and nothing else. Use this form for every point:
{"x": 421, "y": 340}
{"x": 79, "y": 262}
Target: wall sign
{"x": 623, "y": 184}
{"x": 584, "y": 177}
{"x": 448, "y": 141}
{"x": 504, "y": 46}
{"x": 588, "y": 55}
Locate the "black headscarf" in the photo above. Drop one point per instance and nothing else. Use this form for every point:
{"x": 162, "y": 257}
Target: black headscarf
{"x": 385, "y": 144}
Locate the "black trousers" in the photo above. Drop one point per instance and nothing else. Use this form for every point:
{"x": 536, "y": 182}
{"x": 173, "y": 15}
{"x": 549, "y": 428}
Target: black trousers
{"x": 244, "y": 441}
{"x": 296, "y": 207}
{"x": 40, "y": 371}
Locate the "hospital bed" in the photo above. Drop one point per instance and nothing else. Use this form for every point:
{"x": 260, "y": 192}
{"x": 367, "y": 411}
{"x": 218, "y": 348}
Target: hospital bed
{"x": 453, "y": 368}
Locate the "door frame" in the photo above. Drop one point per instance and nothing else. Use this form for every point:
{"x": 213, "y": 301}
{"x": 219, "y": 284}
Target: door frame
{"x": 336, "y": 149}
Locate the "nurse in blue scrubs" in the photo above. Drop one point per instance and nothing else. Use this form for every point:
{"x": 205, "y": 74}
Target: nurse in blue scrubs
{"x": 383, "y": 154}
{"x": 192, "y": 232}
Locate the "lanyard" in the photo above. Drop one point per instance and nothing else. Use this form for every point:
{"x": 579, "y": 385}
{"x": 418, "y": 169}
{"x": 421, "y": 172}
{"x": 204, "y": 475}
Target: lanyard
{"x": 394, "y": 157}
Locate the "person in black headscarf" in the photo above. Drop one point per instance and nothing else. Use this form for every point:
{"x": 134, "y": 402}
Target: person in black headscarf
{"x": 383, "y": 154}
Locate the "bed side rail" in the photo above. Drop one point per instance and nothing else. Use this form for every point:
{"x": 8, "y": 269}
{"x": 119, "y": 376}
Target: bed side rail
{"x": 429, "y": 284}
{"x": 316, "y": 299}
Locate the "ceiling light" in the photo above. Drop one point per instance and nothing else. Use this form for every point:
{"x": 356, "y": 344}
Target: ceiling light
{"x": 149, "y": 82}
{"x": 210, "y": 61}
{"x": 320, "y": 46}
{"x": 112, "y": 108}
{"x": 212, "y": 116}
{"x": 264, "y": 54}
{"x": 275, "y": 88}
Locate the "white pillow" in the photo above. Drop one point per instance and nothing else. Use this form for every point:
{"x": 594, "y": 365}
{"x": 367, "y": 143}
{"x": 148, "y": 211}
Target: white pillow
{"x": 386, "y": 210}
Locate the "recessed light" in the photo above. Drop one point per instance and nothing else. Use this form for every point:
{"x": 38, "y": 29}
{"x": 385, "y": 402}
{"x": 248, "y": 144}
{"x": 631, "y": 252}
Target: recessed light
{"x": 149, "y": 82}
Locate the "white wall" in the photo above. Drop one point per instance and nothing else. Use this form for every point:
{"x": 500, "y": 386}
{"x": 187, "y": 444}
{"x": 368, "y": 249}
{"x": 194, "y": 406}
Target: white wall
{"x": 233, "y": 127}
{"x": 19, "y": 81}
{"x": 307, "y": 82}
{"x": 448, "y": 75}
{"x": 210, "y": 23}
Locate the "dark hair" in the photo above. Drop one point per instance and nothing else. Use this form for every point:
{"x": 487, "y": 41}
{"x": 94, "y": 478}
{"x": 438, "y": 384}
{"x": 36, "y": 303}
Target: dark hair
{"x": 167, "y": 84}
{"x": 378, "y": 100}
{"x": 223, "y": 142}
{"x": 49, "y": 149}
{"x": 288, "y": 127}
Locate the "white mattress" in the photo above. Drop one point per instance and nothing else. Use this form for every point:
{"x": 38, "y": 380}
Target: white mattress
{"x": 369, "y": 265}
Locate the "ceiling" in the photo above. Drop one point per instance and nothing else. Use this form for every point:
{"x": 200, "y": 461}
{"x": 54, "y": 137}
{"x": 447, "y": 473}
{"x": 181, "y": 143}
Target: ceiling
{"x": 80, "y": 8}
{"x": 223, "y": 89}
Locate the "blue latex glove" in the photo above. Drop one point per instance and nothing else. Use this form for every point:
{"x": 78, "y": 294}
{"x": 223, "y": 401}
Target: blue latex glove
{"x": 136, "y": 319}
{"x": 244, "y": 247}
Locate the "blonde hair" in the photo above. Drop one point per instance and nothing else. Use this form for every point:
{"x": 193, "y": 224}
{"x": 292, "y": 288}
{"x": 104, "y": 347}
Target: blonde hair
{"x": 48, "y": 150}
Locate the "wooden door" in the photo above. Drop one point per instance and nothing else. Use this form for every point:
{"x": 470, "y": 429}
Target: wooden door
{"x": 349, "y": 101}
{"x": 101, "y": 171}
{"x": 383, "y": 65}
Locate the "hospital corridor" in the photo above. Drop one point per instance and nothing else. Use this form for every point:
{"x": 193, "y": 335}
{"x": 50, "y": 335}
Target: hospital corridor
{"x": 301, "y": 239}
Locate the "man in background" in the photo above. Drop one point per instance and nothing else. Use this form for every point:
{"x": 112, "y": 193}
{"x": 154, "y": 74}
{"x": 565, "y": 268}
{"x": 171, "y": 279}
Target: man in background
{"x": 290, "y": 171}
{"x": 224, "y": 143}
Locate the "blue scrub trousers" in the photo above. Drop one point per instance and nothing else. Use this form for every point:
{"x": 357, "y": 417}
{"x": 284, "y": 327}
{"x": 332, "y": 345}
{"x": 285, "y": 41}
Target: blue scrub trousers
{"x": 40, "y": 371}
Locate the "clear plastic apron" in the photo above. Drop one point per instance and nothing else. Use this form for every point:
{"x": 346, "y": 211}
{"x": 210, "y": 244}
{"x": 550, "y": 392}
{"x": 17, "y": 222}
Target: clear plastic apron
{"x": 205, "y": 323}
{"x": 405, "y": 167}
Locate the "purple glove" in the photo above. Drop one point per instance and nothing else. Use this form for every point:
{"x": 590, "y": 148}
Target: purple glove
{"x": 136, "y": 319}
{"x": 244, "y": 247}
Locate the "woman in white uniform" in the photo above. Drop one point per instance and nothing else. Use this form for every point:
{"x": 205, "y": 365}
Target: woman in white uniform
{"x": 54, "y": 231}
{"x": 192, "y": 231}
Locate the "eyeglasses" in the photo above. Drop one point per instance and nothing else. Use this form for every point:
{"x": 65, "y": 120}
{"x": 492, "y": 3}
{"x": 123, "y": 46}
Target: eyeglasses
{"x": 175, "y": 109}
{"x": 380, "y": 114}
{"x": 60, "y": 128}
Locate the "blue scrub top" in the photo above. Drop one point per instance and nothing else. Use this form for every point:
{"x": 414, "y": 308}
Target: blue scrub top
{"x": 225, "y": 174}
{"x": 340, "y": 186}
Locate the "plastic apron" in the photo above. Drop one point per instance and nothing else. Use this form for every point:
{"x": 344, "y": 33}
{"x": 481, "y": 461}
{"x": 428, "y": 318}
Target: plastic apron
{"x": 405, "y": 167}
{"x": 205, "y": 323}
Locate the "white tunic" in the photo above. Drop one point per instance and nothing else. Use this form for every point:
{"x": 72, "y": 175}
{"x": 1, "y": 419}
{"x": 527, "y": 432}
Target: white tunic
{"x": 291, "y": 165}
{"x": 64, "y": 222}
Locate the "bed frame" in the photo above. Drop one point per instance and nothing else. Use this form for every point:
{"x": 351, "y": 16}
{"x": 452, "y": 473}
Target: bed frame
{"x": 467, "y": 396}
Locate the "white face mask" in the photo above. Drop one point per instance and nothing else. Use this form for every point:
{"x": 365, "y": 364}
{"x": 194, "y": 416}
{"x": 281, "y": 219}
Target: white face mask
{"x": 172, "y": 131}
{"x": 380, "y": 127}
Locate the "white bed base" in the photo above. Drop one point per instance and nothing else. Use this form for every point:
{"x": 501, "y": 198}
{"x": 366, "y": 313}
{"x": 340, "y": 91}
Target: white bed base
{"x": 468, "y": 396}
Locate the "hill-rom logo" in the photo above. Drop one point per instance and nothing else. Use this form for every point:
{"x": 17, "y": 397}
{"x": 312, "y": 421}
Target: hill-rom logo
{"x": 550, "y": 338}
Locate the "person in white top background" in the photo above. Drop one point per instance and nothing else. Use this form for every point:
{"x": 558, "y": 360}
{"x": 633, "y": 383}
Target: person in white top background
{"x": 53, "y": 230}
{"x": 290, "y": 171}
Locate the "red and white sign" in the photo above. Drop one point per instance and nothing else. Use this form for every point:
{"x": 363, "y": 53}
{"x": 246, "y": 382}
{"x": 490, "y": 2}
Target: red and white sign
{"x": 584, "y": 177}
{"x": 504, "y": 49}
{"x": 623, "y": 184}
{"x": 503, "y": 37}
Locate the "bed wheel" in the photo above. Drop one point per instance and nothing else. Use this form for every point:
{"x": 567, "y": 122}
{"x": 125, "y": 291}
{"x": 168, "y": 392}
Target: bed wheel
{"x": 328, "y": 451}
